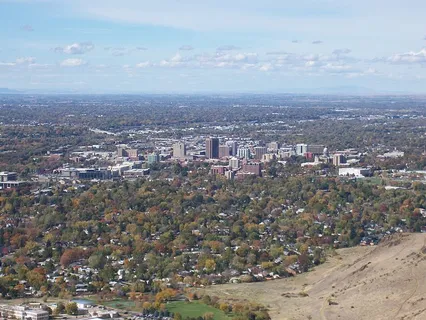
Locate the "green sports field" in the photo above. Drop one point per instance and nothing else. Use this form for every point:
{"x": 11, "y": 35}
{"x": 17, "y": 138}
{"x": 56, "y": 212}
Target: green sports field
{"x": 195, "y": 309}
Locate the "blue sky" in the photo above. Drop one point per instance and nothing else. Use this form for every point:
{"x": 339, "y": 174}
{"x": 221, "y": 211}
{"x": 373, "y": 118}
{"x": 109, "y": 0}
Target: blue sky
{"x": 110, "y": 46}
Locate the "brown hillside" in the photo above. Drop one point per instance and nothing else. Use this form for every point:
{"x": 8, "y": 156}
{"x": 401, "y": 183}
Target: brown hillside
{"x": 383, "y": 282}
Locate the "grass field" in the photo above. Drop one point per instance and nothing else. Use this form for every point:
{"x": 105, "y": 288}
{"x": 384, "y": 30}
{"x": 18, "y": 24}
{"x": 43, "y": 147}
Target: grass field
{"x": 195, "y": 309}
{"x": 115, "y": 303}
{"x": 120, "y": 304}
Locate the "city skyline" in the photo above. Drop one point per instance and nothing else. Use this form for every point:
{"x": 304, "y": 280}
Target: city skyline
{"x": 190, "y": 47}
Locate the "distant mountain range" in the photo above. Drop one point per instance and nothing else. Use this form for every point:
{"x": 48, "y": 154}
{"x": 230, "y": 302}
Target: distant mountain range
{"x": 7, "y": 90}
{"x": 341, "y": 90}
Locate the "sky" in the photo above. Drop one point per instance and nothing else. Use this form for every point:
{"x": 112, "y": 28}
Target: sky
{"x": 202, "y": 46}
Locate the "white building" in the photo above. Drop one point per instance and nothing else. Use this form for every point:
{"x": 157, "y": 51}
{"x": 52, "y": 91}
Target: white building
{"x": 23, "y": 313}
{"x": 179, "y": 150}
{"x": 301, "y": 149}
{"x": 354, "y": 172}
{"x": 234, "y": 163}
{"x": 244, "y": 153}
{"x": 393, "y": 154}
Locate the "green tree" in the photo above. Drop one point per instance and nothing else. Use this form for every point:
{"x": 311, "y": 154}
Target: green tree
{"x": 71, "y": 308}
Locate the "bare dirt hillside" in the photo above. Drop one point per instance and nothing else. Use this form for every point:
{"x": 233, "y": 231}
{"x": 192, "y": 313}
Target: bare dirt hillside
{"x": 383, "y": 282}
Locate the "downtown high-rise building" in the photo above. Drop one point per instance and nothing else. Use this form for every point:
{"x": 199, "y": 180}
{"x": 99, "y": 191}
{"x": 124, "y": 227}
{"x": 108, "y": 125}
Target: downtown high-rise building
{"x": 179, "y": 150}
{"x": 259, "y": 152}
{"x": 244, "y": 153}
{"x": 224, "y": 151}
{"x": 212, "y": 148}
{"x": 234, "y": 163}
{"x": 234, "y": 147}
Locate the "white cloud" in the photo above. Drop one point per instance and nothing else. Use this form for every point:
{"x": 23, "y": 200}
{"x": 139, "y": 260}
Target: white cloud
{"x": 39, "y": 65}
{"x": 145, "y": 64}
{"x": 177, "y": 58}
{"x": 73, "y": 63}
{"x": 266, "y": 67}
{"x": 408, "y": 57}
{"x": 76, "y": 48}
{"x": 311, "y": 63}
{"x": 22, "y": 61}
{"x": 27, "y": 60}
{"x": 220, "y": 59}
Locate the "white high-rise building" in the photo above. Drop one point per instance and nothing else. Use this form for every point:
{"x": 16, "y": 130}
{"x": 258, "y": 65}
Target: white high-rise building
{"x": 179, "y": 150}
{"x": 234, "y": 163}
{"x": 244, "y": 153}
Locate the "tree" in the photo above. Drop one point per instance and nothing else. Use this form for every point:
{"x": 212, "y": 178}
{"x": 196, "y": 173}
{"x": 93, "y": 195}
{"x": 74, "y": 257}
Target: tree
{"x": 210, "y": 265}
{"x": 208, "y": 316}
{"x": 36, "y": 278}
{"x": 177, "y": 316}
{"x": 206, "y": 299}
{"x": 97, "y": 260}
{"x": 71, "y": 308}
{"x": 147, "y": 305}
{"x": 224, "y": 307}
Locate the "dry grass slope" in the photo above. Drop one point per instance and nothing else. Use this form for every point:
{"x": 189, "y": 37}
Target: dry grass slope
{"x": 383, "y": 282}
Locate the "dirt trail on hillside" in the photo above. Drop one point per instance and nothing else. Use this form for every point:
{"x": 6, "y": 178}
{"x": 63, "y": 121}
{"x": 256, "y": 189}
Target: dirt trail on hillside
{"x": 383, "y": 282}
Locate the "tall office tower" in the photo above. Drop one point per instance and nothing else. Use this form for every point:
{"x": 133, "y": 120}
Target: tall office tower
{"x": 234, "y": 163}
{"x": 179, "y": 150}
{"x": 234, "y": 147}
{"x": 244, "y": 153}
{"x": 212, "y": 148}
{"x": 338, "y": 159}
{"x": 259, "y": 152}
{"x": 224, "y": 151}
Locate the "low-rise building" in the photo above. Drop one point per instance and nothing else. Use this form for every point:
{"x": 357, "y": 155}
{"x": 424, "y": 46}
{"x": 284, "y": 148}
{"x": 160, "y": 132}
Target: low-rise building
{"x": 9, "y": 180}
{"x": 23, "y": 313}
{"x": 355, "y": 172}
